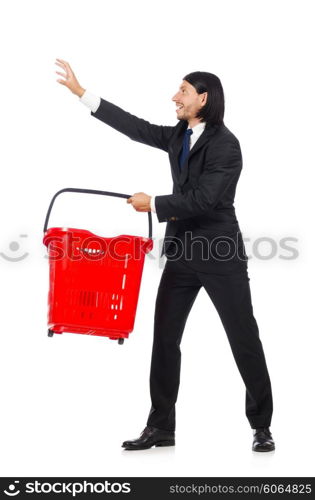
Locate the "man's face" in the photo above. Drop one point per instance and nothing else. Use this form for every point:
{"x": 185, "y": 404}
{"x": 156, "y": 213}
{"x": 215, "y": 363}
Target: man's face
{"x": 188, "y": 101}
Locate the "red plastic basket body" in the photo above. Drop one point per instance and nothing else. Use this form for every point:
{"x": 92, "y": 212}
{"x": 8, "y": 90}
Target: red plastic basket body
{"x": 94, "y": 281}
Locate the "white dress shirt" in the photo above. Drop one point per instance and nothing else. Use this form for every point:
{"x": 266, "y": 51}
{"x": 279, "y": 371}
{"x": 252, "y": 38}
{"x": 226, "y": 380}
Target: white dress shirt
{"x": 92, "y": 102}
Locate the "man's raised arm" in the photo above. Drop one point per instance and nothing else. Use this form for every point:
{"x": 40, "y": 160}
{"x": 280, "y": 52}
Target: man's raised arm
{"x": 135, "y": 128}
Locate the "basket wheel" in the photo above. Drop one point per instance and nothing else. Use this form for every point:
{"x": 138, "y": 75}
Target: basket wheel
{"x": 50, "y": 333}
{"x": 121, "y": 341}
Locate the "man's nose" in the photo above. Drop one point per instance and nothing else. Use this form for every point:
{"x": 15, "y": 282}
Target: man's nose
{"x": 175, "y": 97}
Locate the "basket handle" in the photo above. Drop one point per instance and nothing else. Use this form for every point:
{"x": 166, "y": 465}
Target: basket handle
{"x": 90, "y": 191}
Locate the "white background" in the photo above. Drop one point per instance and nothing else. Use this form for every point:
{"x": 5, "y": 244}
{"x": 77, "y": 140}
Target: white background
{"x": 69, "y": 401}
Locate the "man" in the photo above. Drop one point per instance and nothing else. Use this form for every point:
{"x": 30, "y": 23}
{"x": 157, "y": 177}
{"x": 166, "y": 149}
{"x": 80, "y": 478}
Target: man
{"x": 203, "y": 246}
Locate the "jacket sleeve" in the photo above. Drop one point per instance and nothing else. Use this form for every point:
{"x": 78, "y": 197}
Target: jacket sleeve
{"x": 221, "y": 169}
{"x": 135, "y": 128}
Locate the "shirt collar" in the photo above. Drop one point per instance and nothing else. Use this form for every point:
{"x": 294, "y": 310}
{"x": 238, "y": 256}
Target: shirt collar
{"x": 199, "y": 128}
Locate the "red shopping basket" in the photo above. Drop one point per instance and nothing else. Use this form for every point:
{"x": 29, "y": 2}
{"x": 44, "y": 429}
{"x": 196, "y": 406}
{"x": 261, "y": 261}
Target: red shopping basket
{"x": 94, "y": 281}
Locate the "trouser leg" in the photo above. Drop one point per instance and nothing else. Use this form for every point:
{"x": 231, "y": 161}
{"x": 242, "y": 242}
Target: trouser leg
{"x": 176, "y": 294}
{"x": 231, "y": 297}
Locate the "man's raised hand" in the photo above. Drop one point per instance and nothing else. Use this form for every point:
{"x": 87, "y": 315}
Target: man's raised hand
{"x": 70, "y": 79}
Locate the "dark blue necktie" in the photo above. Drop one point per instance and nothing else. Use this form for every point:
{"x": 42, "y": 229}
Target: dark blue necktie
{"x": 185, "y": 148}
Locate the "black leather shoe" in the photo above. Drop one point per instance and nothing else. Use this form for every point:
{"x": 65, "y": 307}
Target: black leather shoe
{"x": 151, "y": 436}
{"x": 263, "y": 440}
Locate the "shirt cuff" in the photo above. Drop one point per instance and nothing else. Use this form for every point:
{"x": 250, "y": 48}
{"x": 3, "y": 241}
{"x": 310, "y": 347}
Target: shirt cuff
{"x": 90, "y": 100}
{"x": 152, "y": 204}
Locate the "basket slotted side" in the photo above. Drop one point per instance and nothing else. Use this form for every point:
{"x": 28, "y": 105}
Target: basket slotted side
{"x": 94, "y": 281}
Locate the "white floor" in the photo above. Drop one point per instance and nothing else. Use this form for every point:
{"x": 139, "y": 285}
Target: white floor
{"x": 71, "y": 400}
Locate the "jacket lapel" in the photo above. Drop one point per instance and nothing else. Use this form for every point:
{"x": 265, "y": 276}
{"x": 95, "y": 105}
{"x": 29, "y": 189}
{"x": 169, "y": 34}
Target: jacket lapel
{"x": 177, "y": 144}
{"x": 203, "y": 139}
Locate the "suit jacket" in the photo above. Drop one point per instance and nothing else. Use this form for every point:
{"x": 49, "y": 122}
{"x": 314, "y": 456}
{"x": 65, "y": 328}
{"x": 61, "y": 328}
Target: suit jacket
{"x": 202, "y": 228}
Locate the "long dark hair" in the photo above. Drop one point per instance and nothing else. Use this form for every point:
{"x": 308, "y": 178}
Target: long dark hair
{"x": 213, "y": 111}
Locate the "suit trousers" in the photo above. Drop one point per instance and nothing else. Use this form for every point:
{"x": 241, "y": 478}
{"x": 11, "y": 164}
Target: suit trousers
{"x": 231, "y": 296}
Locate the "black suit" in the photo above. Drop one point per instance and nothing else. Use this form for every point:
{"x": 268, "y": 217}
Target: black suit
{"x": 204, "y": 247}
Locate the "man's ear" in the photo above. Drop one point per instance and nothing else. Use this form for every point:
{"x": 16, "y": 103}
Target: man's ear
{"x": 204, "y": 98}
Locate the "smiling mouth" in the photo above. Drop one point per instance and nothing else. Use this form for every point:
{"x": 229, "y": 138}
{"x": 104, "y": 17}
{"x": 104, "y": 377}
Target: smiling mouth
{"x": 179, "y": 107}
